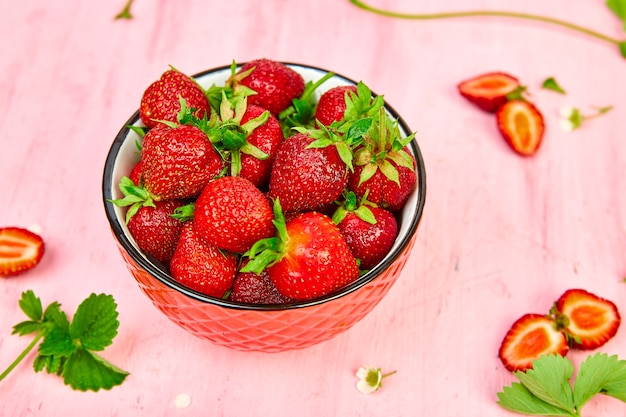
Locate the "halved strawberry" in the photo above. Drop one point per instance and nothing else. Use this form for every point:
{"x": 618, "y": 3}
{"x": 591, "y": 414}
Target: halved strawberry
{"x": 521, "y": 124}
{"x": 488, "y": 91}
{"x": 592, "y": 320}
{"x": 531, "y": 336}
{"x": 20, "y": 250}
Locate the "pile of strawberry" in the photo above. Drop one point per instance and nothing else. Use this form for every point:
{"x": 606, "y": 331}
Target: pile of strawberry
{"x": 259, "y": 192}
{"x": 578, "y": 319}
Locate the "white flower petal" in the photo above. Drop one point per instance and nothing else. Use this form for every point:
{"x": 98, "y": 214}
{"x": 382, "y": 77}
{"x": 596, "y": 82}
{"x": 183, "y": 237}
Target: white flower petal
{"x": 567, "y": 112}
{"x": 363, "y": 371}
{"x": 566, "y": 125}
{"x": 364, "y": 387}
{"x": 182, "y": 401}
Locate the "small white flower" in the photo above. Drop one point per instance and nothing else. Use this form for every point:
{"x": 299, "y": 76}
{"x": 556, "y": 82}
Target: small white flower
{"x": 370, "y": 379}
{"x": 566, "y": 125}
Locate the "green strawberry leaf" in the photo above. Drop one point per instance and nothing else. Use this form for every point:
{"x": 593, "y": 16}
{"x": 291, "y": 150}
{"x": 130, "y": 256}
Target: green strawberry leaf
{"x": 31, "y": 305}
{"x": 598, "y": 372}
{"x": 618, "y": 7}
{"x": 553, "y": 85}
{"x": 518, "y": 399}
{"x": 95, "y": 322}
{"x": 87, "y": 371}
{"x": 549, "y": 379}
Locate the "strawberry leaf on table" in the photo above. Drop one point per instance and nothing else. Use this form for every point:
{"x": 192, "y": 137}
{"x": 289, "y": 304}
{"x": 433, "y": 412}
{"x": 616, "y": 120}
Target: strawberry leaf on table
{"x": 67, "y": 348}
{"x": 551, "y": 84}
{"x": 546, "y": 389}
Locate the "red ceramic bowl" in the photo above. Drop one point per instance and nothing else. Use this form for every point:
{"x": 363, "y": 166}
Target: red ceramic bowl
{"x": 245, "y": 327}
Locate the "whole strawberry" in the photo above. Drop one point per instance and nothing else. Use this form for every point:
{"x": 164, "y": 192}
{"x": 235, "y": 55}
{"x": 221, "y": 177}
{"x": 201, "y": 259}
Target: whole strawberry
{"x": 384, "y": 168}
{"x": 369, "y": 231}
{"x": 256, "y": 289}
{"x": 178, "y": 161}
{"x": 274, "y": 83}
{"x": 156, "y": 229}
{"x": 332, "y": 104}
{"x": 201, "y": 266}
{"x": 232, "y": 214}
{"x": 161, "y": 100}
{"x": 305, "y": 177}
{"x": 309, "y": 258}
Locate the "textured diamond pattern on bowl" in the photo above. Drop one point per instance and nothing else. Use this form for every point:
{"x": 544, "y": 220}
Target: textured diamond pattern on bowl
{"x": 267, "y": 331}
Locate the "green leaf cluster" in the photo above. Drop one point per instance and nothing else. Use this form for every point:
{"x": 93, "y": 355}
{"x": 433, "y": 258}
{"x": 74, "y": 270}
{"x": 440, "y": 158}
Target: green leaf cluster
{"x": 546, "y": 390}
{"x": 68, "y": 348}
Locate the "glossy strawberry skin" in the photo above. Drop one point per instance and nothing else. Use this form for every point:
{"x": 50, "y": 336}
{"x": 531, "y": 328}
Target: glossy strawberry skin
{"x": 275, "y": 83}
{"x": 368, "y": 242}
{"x": 267, "y": 138}
{"x": 20, "y": 250}
{"x": 306, "y": 179}
{"x": 383, "y": 191}
{"x": 592, "y": 320}
{"x": 201, "y": 266}
{"x": 332, "y": 104}
{"x": 522, "y": 125}
{"x": 161, "y": 100}
{"x": 531, "y": 336}
{"x": 155, "y": 230}
{"x": 177, "y": 163}
{"x": 488, "y": 91}
{"x": 317, "y": 260}
{"x": 256, "y": 289}
{"x": 232, "y": 214}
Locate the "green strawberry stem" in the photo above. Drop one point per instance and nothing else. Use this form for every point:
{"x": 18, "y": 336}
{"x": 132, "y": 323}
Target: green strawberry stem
{"x": 125, "y": 13}
{"x": 22, "y": 355}
{"x": 621, "y": 44}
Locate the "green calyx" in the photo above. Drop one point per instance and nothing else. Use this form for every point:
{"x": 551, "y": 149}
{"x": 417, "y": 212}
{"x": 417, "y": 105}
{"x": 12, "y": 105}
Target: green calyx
{"x": 302, "y": 109}
{"x": 267, "y": 252}
{"x": 135, "y": 197}
{"x": 350, "y": 204}
{"x": 383, "y": 143}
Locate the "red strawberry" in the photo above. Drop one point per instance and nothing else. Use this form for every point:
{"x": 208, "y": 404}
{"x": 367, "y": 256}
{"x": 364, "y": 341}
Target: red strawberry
{"x": 488, "y": 91}
{"x": 232, "y": 214}
{"x": 275, "y": 84}
{"x": 267, "y": 138}
{"x": 161, "y": 100}
{"x": 20, "y": 250}
{"x": 135, "y": 174}
{"x": 308, "y": 259}
{"x": 256, "y": 289}
{"x": 156, "y": 230}
{"x": 306, "y": 178}
{"x": 332, "y": 104}
{"x": 178, "y": 162}
{"x": 521, "y": 124}
{"x": 369, "y": 231}
{"x": 531, "y": 336}
{"x": 592, "y": 320}
{"x": 201, "y": 266}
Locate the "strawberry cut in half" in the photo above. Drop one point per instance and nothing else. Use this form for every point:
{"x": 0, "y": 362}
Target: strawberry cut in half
{"x": 20, "y": 250}
{"x": 592, "y": 320}
{"x": 488, "y": 91}
{"x": 521, "y": 124}
{"x": 530, "y": 337}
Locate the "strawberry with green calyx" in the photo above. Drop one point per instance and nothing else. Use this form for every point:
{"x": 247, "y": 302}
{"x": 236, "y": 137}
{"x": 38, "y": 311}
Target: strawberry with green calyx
{"x": 307, "y": 174}
{"x": 134, "y": 196}
{"x": 301, "y": 111}
{"x": 275, "y": 84}
{"x": 384, "y": 166}
{"x": 232, "y": 214}
{"x": 369, "y": 231}
{"x": 178, "y": 161}
{"x": 344, "y": 105}
{"x": 201, "y": 266}
{"x": 161, "y": 100}
{"x": 308, "y": 258}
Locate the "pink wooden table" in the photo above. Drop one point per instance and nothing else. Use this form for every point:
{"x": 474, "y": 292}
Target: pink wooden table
{"x": 501, "y": 235}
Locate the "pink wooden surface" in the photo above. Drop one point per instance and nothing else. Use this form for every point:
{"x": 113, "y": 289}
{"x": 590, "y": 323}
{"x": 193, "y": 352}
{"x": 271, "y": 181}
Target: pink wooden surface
{"x": 501, "y": 235}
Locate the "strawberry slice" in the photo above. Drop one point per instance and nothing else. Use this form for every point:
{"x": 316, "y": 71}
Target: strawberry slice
{"x": 531, "y": 336}
{"x": 488, "y": 91}
{"x": 521, "y": 124}
{"x": 20, "y": 250}
{"x": 592, "y": 320}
